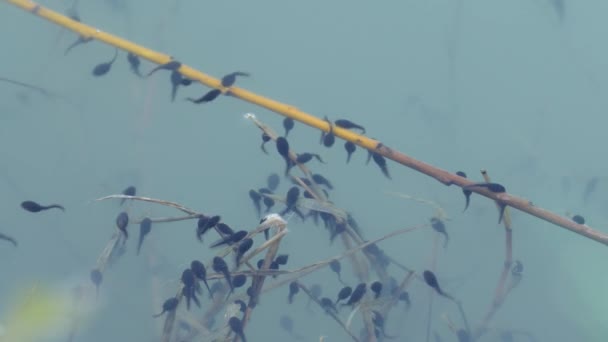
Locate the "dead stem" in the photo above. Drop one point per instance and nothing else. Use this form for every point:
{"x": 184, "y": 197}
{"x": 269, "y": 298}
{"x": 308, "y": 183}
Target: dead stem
{"x": 152, "y": 200}
{"x": 331, "y": 314}
{"x": 300, "y": 272}
{"x": 499, "y": 294}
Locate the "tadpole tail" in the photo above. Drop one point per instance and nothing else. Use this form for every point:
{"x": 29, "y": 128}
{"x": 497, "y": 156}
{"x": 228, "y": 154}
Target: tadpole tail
{"x": 54, "y": 206}
{"x": 9, "y": 239}
{"x": 502, "y": 212}
{"x": 467, "y": 198}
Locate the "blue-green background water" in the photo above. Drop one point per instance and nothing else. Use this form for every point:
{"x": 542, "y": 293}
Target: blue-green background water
{"x": 461, "y": 84}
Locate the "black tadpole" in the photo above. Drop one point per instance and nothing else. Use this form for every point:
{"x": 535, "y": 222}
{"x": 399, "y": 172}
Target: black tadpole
{"x": 347, "y": 124}
{"x": 381, "y": 162}
{"x": 122, "y": 221}
{"x": 304, "y": 158}
{"x": 294, "y": 288}
{"x": 492, "y": 187}
{"x": 337, "y": 229}
{"x": 220, "y": 266}
{"x": 34, "y": 207}
{"x": 350, "y": 148}
{"x": 291, "y": 199}
{"x": 237, "y": 327}
{"x": 344, "y": 293}
{"x": 495, "y": 188}
{"x": 578, "y": 219}
{"x": 257, "y": 199}
{"x": 200, "y": 272}
{"x": 328, "y": 138}
{"x": 265, "y": 139}
{"x": 176, "y": 81}
{"x": 230, "y": 79}
{"x": 9, "y": 239}
{"x": 168, "y": 306}
{"x": 204, "y": 224}
{"x": 189, "y": 289}
{"x": 376, "y": 288}
{"x": 288, "y": 124}
{"x": 431, "y": 280}
{"x": 328, "y": 305}
{"x": 282, "y": 259}
{"x": 273, "y": 181}
{"x": 224, "y": 229}
{"x": 189, "y": 293}
{"x": 268, "y": 202}
{"x": 236, "y": 237}
{"x": 319, "y": 179}
{"x": 172, "y": 66}
{"x": 103, "y": 68}
{"x": 243, "y": 247}
{"x": 145, "y": 226}
{"x": 335, "y": 266}
{"x": 467, "y": 193}
{"x": 129, "y": 191}
{"x": 80, "y": 40}
{"x": 134, "y": 64}
{"x": 283, "y": 149}
{"x": 357, "y": 294}
{"x": 96, "y": 279}
{"x": 239, "y": 280}
{"x": 439, "y": 227}
{"x": 207, "y": 97}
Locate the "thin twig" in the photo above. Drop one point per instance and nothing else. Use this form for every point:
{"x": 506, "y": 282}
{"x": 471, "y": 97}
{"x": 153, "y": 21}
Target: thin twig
{"x": 152, "y": 200}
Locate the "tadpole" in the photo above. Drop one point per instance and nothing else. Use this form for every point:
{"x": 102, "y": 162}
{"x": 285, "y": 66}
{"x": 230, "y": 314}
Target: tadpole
{"x": 256, "y": 198}
{"x": 207, "y": 97}
{"x": 172, "y": 65}
{"x": 237, "y": 327}
{"x": 200, "y": 272}
{"x": 168, "y": 306}
{"x": 129, "y": 191}
{"x": 439, "y": 227}
{"x": 376, "y": 288}
{"x": 145, "y": 226}
{"x": 357, "y": 294}
{"x": 350, "y": 148}
{"x": 220, "y": 266}
{"x": 134, "y": 64}
{"x": 467, "y": 193}
{"x": 229, "y": 79}
{"x": 335, "y": 266}
{"x": 347, "y": 124}
{"x": 288, "y": 125}
{"x": 96, "y": 279}
{"x": 431, "y": 280}
{"x": 294, "y": 288}
{"x": 344, "y": 293}
{"x": 103, "y": 68}
{"x": 34, "y": 207}
{"x": 272, "y": 182}
{"x": 381, "y": 162}
{"x": 122, "y": 221}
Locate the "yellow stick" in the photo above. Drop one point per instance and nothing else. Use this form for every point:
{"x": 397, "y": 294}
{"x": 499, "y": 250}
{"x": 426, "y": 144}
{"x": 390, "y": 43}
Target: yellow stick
{"x": 440, "y": 175}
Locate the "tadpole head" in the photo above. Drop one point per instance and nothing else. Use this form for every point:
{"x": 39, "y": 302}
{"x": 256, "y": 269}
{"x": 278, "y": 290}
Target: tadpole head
{"x": 430, "y": 279}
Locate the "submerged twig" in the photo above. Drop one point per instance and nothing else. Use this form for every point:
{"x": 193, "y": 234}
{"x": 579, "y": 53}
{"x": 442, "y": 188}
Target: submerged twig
{"x": 152, "y": 200}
